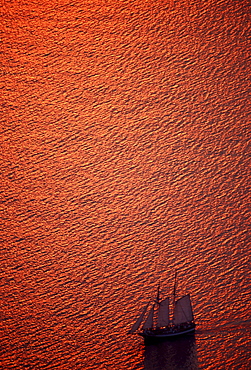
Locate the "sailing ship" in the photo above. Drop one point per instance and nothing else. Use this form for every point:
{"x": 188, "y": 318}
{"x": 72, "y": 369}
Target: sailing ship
{"x": 158, "y": 324}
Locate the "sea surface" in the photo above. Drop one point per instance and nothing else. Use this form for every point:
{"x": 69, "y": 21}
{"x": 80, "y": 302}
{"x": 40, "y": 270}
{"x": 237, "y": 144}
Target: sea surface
{"x": 125, "y": 155}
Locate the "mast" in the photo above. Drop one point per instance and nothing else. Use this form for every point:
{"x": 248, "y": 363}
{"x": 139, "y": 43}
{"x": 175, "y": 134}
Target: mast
{"x": 158, "y": 304}
{"x": 174, "y": 289}
{"x": 158, "y": 293}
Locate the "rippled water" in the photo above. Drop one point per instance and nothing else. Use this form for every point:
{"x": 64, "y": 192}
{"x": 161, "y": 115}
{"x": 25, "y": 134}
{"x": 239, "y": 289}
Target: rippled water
{"x": 125, "y": 155}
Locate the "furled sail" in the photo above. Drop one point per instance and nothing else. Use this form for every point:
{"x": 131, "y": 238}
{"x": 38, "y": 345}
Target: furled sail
{"x": 149, "y": 321}
{"x": 183, "y": 310}
{"x": 139, "y": 320}
{"x": 163, "y": 315}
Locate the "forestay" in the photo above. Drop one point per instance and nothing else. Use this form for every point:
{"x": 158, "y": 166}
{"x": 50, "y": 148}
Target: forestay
{"x": 149, "y": 321}
{"x": 139, "y": 320}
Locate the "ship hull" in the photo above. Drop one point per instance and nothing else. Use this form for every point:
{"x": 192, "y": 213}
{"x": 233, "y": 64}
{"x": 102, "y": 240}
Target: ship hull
{"x": 167, "y": 333}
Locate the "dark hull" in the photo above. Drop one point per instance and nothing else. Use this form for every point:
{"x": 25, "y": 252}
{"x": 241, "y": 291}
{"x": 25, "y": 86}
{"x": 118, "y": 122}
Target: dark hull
{"x": 167, "y": 333}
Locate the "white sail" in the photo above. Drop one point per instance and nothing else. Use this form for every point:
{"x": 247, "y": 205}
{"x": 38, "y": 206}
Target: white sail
{"x": 183, "y": 310}
{"x": 149, "y": 321}
{"x": 139, "y": 320}
{"x": 163, "y": 315}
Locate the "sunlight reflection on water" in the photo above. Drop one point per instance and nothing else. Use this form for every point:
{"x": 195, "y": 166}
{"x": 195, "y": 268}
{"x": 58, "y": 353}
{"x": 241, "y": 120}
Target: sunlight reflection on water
{"x": 125, "y": 156}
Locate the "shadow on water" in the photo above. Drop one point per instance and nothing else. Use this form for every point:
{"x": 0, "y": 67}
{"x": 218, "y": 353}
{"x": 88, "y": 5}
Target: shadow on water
{"x": 175, "y": 354}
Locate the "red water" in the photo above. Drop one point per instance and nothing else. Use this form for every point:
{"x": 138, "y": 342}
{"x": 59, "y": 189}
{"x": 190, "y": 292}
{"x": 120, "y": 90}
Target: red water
{"x": 125, "y": 155}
